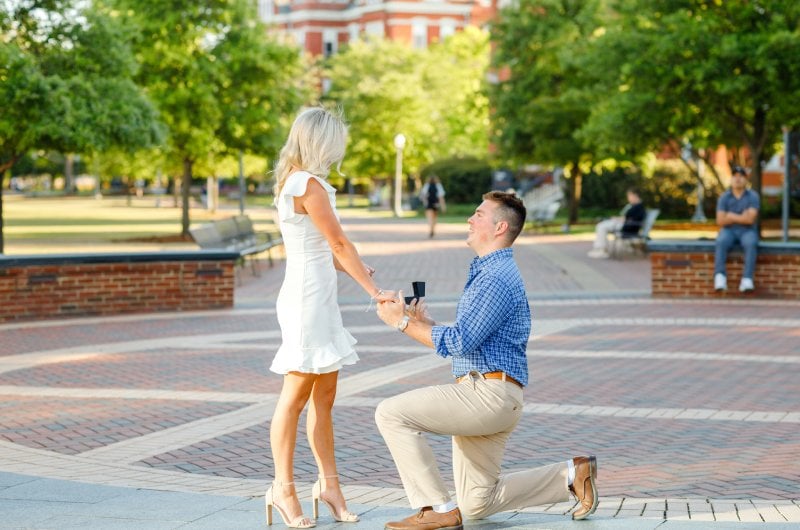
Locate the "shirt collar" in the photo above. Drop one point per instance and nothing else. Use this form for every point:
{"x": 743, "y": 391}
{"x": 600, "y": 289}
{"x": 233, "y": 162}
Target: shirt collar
{"x": 481, "y": 262}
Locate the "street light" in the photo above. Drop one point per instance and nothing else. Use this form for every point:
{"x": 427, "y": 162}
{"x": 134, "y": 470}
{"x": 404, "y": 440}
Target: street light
{"x": 399, "y": 144}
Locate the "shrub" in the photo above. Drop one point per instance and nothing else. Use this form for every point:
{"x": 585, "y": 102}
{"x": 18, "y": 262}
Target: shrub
{"x": 465, "y": 179}
{"x": 671, "y": 188}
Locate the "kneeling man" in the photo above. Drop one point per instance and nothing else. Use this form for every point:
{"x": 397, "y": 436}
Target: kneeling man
{"x": 481, "y": 408}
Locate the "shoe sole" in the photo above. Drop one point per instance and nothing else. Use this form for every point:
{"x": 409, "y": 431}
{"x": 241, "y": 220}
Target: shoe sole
{"x": 457, "y": 527}
{"x": 596, "y": 501}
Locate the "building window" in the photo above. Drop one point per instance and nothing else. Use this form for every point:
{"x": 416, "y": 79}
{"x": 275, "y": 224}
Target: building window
{"x": 300, "y": 38}
{"x": 419, "y": 34}
{"x": 446, "y": 28}
{"x": 374, "y": 28}
{"x": 265, "y": 10}
{"x": 329, "y": 43}
{"x": 353, "y": 31}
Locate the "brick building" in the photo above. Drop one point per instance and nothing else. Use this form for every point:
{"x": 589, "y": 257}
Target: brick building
{"x": 322, "y": 26}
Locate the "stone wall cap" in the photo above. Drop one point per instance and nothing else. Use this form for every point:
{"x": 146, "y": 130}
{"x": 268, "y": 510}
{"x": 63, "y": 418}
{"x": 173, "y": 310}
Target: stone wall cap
{"x": 21, "y": 260}
{"x": 707, "y": 245}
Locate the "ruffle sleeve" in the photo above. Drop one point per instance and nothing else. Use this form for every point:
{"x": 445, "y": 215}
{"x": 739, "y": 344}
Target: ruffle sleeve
{"x": 295, "y": 186}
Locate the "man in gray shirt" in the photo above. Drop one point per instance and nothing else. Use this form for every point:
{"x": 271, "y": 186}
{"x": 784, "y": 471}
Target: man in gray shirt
{"x": 737, "y": 211}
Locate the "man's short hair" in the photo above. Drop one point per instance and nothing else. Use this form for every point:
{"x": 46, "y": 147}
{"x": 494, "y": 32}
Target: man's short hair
{"x": 635, "y": 191}
{"x": 510, "y": 209}
{"x": 738, "y": 170}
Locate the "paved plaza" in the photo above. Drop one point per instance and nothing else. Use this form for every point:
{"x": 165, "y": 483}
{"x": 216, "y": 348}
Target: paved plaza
{"x": 161, "y": 420}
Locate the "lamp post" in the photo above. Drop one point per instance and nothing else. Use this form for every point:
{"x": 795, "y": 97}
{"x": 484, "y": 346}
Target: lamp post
{"x": 399, "y": 144}
{"x": 699, "y": 215}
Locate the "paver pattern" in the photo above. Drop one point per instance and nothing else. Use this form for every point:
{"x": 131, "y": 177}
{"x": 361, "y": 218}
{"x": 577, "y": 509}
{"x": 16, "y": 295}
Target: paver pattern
{"x": 693, "y": 407}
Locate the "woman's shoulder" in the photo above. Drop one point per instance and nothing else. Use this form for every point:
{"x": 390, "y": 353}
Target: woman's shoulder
{"x": 297, "y": 183}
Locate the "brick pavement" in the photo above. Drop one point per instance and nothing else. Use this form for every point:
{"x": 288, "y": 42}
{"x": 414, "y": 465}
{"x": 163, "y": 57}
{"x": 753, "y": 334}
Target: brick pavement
{"x": 691, "y": 406}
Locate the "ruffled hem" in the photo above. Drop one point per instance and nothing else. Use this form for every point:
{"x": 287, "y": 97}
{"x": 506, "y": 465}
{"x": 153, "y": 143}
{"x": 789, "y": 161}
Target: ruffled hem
{"x": 321, "y": 360}
{"x": 295, "y": 186}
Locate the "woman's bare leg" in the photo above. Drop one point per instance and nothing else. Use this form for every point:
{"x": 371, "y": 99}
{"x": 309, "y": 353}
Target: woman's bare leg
{"x": 431, "y": 215}
{"x": 283, "y": 437}
{"x": 320, "y": 436}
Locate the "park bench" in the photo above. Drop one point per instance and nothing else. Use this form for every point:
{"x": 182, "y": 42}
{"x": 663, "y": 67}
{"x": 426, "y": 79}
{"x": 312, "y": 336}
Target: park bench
{"x": 685, "y": 268}
{"x": 237, "y": 234}
{"x": 542, "y": 204}
{"x": 635, "y": 244}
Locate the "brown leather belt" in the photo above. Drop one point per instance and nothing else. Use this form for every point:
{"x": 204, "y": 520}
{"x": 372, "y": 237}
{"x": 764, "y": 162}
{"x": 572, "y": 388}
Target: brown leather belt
{"x": 494, "y": 375}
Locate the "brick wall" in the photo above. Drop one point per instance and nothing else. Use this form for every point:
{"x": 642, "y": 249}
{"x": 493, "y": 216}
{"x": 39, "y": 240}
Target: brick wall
{"x": 687, "y": 272}
{"x": 37, "y": 288}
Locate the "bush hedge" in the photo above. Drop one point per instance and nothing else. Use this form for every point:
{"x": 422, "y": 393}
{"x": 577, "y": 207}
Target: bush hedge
{"x": 465, "y": 179}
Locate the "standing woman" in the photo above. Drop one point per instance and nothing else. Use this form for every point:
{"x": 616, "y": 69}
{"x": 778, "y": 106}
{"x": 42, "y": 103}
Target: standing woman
{"x": 432, "y": 196}
{"x": 315, "y": 344}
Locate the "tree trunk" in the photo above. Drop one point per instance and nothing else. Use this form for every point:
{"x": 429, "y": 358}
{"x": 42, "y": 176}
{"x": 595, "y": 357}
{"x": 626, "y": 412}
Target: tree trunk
{"x": 4, "y": 167}
{"x": 575, "y": 185}
{"x": 186, "y": 184}
{"x": 69, "y": 177}
{"x": 706, "y": 156}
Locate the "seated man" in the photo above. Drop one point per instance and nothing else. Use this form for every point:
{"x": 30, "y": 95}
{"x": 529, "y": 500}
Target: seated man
{"x": 737, "y": 211}
{"x": 629, "y": 222}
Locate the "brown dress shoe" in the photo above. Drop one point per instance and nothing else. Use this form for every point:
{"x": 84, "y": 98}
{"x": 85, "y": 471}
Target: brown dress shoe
{"x": 428, "y": 519}
{"x": 583, "y": 487}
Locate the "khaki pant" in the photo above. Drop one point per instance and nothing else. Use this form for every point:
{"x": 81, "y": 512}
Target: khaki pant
{"x": 480, "y": 415}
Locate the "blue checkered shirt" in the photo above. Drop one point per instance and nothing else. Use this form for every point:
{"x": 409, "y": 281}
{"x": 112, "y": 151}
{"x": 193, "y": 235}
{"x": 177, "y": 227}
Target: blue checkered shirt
{"x": 493, "y": 320}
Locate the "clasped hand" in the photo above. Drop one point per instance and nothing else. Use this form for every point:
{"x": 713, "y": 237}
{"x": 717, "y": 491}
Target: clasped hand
{"x": 392, "y": 311}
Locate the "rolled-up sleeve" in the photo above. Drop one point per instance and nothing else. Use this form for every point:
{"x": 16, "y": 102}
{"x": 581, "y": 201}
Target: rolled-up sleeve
{"x": 480, "y": 317}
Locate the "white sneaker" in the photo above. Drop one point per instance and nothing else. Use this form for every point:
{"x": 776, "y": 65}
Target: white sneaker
{"x": 720, "y": 282}
{"x": 746, "y": 285}
{"x": 598, "y": 253}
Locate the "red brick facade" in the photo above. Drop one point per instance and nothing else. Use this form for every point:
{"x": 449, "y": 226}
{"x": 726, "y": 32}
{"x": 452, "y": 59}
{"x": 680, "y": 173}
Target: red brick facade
{"x": 36, "y": 291}
{"x": 691, "y": 274}
{"x": 321, "y": 27}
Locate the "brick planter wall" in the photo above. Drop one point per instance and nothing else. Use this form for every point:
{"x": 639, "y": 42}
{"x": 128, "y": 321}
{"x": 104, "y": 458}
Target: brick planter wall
{"x": 37, "y": 287}
{"x": 686, "y": 269}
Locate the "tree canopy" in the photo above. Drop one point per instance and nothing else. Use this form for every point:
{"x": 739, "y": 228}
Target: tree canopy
{"x": 435, "y": 97}
{"x": 541, "y": 103}
{"x": 219, "y": 81}
{"x": 707, "y": 72}
{"x": 66, "y": 84}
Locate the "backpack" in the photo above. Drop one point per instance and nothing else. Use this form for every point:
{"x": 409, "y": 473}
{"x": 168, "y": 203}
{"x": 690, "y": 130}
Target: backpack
{"x": 433, "y": 194}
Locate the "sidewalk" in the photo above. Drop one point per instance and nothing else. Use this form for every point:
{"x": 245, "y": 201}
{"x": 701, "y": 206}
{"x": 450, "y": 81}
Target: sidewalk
{"x": 161, "y": 420}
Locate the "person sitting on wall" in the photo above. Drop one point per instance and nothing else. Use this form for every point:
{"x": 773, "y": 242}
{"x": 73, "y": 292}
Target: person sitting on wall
{"x": 737, "y": 212}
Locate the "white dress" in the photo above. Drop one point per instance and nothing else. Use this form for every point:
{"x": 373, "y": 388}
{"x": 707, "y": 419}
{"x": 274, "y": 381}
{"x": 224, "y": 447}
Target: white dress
{"x": 314, "y": 338}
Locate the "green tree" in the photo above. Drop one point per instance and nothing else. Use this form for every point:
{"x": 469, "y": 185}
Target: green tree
{"x": 219, "y": 81}
{"x": 66, "y": 84}
{"x": 435, "y": 97}
{"x": 543, "y": 102}
{"x": 709, "y": 72}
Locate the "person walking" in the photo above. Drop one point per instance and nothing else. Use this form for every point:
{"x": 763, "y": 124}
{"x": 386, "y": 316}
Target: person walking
{"x": 480, "y": 410}
{"x": 315, "y": 345}
{"x": 432, "y": 197}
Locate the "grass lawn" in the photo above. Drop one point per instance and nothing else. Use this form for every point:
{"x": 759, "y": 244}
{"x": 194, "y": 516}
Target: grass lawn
{"x": 111, "y": 224}
{"x": 79, "y": 224}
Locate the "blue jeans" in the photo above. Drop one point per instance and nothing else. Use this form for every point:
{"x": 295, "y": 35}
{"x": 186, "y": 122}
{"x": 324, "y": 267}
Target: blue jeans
{"x": 729, "y": 236}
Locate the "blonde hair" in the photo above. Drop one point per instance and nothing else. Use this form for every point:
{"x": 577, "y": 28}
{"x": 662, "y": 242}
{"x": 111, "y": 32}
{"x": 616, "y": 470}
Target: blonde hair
{"x": 316, "y": 142}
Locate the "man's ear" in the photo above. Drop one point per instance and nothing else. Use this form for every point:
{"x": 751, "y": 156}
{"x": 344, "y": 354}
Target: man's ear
{"x": 501, "y": 228}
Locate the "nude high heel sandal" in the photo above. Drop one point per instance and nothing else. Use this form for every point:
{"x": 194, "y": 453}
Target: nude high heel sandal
{"x": 344, "y": 516}
{"x": 301, "y": 521}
